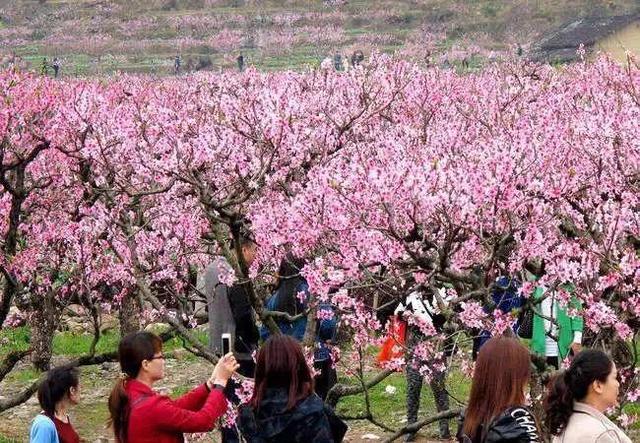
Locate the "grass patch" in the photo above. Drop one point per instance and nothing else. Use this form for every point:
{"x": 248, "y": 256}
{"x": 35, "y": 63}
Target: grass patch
{"x": 14, "y": 339}
{"x": 180, "y": 391}
{"x": 71, "y": 344}
{"x": 92, "y": 417}
{"x": 22, "y": 376}
{"x": 391, "y": 408}
{"x": 68, "y": 344}
{"x": 633, "y": 409}
{"x": 176, "y": 342}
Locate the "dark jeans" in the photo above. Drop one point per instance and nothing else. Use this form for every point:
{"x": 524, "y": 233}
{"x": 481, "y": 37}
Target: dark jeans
{"x": 414, "y": 387}
{"x": 326, "y": 379}
{"x": 554, "y": 361}
{"x": 440, "y": 395}
{"x": 247, "y": 368}
{"x": 231, "y": 435}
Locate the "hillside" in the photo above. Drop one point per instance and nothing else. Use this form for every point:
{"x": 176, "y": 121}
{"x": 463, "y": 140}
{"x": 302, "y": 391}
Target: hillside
{"x": 102, "y": 36}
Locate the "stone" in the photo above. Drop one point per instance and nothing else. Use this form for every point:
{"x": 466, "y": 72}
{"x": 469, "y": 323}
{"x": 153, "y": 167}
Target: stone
{"x": 157, "y": 328}
{"x": 180, "y": 354}
{"x": 108, "y": 322}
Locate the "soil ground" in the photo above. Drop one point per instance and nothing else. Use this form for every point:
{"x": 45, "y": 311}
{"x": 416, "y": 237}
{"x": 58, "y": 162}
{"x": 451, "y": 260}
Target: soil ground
{"x": 90, "y": 416}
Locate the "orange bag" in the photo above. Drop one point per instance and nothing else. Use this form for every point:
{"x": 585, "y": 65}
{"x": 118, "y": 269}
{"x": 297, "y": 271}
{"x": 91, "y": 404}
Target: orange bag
{"x": 393, "y": 345}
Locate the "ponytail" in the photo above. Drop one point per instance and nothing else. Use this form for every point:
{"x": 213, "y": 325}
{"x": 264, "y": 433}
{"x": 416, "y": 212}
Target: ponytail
{"x": 132, "y": 351}
{"x": 55, "y": 386}
{"x": 119, "y": 410}
{"x": 559, "y": 403}
{"x": 572, "y": 385}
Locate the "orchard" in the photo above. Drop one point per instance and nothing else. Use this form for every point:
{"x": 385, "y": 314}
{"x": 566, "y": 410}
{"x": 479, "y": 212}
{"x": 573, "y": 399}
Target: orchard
{"x": 116, "y": 193}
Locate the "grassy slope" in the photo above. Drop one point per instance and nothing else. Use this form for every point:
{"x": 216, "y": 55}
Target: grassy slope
{"x": 101, "y": 36}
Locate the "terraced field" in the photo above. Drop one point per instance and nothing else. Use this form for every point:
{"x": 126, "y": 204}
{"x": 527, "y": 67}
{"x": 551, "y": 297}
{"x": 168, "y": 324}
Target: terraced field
{"x": 92, "y": 37}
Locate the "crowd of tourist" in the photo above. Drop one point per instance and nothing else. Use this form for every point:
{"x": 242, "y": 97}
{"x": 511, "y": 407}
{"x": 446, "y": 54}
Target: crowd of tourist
{"x": 287, "y": 403}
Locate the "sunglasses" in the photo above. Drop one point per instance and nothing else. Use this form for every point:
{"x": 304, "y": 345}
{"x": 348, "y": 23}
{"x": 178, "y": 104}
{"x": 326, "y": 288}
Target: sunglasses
{"x": 156, "y": 357}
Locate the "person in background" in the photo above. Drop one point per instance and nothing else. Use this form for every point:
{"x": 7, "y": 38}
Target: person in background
{"x": 337, "y": 61}
{"x": 323, "y": 359}
{"x": 44, "y": 66}
{"x": 283, "y": 407}
{"x": 292, "y": 297}
{"x": 140, "y": 415}
{"x": 229, "y": 308}
{"x": 240, "y": 61}
{"x": 177, "y": 64}
{"x": 230, "y": 311}
{"x": 56, "y": 67}
{"x": 506, "y": 298}
{"x": 556, "y": 334}
{"x": 58, "y": 392}
{"x": 496, "y": 411}
{"x": 422, "y": 305}
{"x": 578, "y": 398}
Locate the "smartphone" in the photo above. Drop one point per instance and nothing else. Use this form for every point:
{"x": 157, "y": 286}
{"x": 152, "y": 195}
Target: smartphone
{"x": 226, "y": 343}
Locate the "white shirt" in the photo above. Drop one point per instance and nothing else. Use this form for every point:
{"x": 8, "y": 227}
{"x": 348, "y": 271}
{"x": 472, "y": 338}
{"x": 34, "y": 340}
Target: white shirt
{"x": 421, "y": 308}
{"x": 548, "y": 308}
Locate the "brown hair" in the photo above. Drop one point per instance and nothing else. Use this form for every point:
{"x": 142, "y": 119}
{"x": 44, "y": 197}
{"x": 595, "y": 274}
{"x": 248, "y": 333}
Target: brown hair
{"x": 132, "y": 350}
{"x": 502, "y": 370}
{"x": 281, "y": 364}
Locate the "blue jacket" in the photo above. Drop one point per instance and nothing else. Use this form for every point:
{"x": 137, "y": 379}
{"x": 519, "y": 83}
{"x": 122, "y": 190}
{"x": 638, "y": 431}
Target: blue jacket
{"x": 295, "y": 329}
{"x": 326, "y": 329}
{"x": 506, "y": 296}
{"x": 43, "y": 430}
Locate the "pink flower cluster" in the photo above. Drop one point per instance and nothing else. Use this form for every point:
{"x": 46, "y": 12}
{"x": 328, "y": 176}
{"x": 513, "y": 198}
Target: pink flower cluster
{"x": 375, "y": 174}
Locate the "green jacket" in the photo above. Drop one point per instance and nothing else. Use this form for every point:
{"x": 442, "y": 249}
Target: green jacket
{"x": 566, "y": 327}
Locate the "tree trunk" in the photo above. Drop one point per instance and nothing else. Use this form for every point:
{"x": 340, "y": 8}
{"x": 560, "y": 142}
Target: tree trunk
{"x": 10, "y": 246}
{"x": 43, "y": 323}
{"x": 309, "y": 338}
{"x": 130, "y": 312}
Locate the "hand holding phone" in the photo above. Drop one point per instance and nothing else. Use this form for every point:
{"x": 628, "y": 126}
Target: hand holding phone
{"x": 225, "y": 368}
{"x": 226, "y": 343}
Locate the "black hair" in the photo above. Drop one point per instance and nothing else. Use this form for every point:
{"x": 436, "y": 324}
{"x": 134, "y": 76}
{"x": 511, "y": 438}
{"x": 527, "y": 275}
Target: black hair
{"x": 132, "y": 351}
{"x": 288, "y": 280}
{"x": 573, "y": 385}
{"x": 241, "y": 230}
{"x": 55, "y": 386}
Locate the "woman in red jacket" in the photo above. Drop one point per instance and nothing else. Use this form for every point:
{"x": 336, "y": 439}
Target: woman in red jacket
{"x": 139, "y": 415}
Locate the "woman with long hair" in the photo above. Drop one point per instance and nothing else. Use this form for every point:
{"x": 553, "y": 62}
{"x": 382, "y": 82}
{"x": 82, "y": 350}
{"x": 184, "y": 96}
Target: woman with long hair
{"x": 57, "y": 393}
{"x": 291, "y": 296}
{"x": 579, "y": 396}
{"x": 283, "y": 407}
{"x": 140, "y": 415}
{"x": 496, "y": 411}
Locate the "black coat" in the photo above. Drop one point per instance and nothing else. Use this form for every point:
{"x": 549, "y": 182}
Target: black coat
{"x": 515, "y": 425}
{"x": 310, "y": 421}
{"x": 247, "y": 335}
